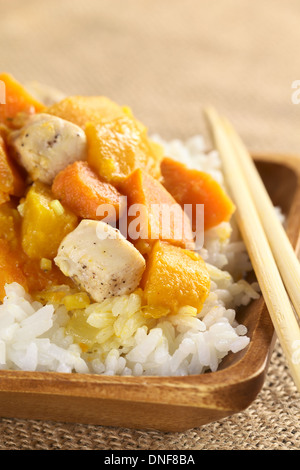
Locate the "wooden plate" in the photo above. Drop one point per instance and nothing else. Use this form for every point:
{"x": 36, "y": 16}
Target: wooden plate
{"x": 165, "y": 403}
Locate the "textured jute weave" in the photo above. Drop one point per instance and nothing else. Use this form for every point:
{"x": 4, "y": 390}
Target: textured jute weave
{"x": 166, "y": 59}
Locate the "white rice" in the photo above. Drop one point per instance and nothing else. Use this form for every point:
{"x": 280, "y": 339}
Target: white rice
{"x": 38, "y": 337}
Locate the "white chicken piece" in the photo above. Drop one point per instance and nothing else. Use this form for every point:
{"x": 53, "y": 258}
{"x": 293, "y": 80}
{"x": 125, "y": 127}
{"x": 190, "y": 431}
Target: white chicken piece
{"x": 46, "y": 145}
{"x": 100, "y": 260}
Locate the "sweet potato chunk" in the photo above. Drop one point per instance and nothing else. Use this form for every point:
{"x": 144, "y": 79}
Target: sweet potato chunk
{"x": 80, "y": 189}
{"x": 45, "y": 223}
{"x": 119, "y": 146}
{"x": 189, "y": 186}
{"x": 10, "y": 270}
{"x": 175, "y": 278}
{"x": 12, "y": 181}
{"x": 18, "y": 100}
{"x": 153, "y": 212}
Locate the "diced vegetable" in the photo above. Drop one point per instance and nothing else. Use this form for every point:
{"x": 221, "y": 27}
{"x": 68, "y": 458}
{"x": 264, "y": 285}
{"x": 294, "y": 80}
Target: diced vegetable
{"x": 57, "y": 206}
{"x": 117, "y": 147}
{"x": 83, "y": 109}
{"x": 175, "y": 278}
{"x": 79, "y": 188}
{"x": 10, "y": 270}
{"x": 46, "y": 264}
{"x": 189, "y": 186}
{"x": 158, "y": 214}
{"x": 12, "y": 181}
{"x": 18, "y": 100}
{"x": 42, "y": 227}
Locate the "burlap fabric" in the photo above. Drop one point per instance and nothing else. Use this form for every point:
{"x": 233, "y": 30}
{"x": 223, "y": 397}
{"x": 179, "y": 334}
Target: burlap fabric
{"x": 166, "y": 59}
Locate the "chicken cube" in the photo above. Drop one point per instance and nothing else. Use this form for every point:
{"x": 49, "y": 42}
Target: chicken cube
{"x": 100, "y": 260}
{"x": 46, "y": 144}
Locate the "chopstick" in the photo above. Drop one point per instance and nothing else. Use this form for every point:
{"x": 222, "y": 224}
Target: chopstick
{"x": 282, "y": 249}
{"x": 250, "y": 214}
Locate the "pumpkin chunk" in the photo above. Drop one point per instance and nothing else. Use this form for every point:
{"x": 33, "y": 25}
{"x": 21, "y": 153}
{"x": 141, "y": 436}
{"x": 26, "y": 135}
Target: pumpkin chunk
{"x": 80, "y": 189}
{"x": 117, "y": 147}
{"x": 11, "y": 179}
{"x": 43, "y": 225}
{"x": 174, "y": 278}
{"x": 158, "y": 216}
{"x": 189, "y": 186}
{"x": 83, "y": 109}
{"x": 15, "y": 265}
{"x": 18, "y": 100}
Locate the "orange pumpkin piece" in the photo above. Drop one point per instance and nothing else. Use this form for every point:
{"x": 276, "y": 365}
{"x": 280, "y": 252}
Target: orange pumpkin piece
{"x": 15, "y": 265}
{"x": 45, "y": 222}
{"x": 153, "y": 214}
{"x": 189, "y": 186}
{"x": 83, "y": 109}
{"x": 10, "y": 268}
{"x": 175, "y": 278}
{"x": 79, "y": 188}
{"x": 119, "y": 146}
{"x": 11, "y": 179}
{"x": 18, "y": 100}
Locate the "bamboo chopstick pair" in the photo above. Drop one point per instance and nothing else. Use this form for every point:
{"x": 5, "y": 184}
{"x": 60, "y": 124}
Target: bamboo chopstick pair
{"x": 274, "y": 261}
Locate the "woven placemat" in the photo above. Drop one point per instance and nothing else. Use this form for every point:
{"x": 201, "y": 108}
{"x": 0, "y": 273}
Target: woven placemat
{"x": 166, "y": 59}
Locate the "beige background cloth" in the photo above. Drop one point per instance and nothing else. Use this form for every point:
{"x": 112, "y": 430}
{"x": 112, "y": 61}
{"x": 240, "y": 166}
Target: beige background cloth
{"x": 166, "y": 59}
